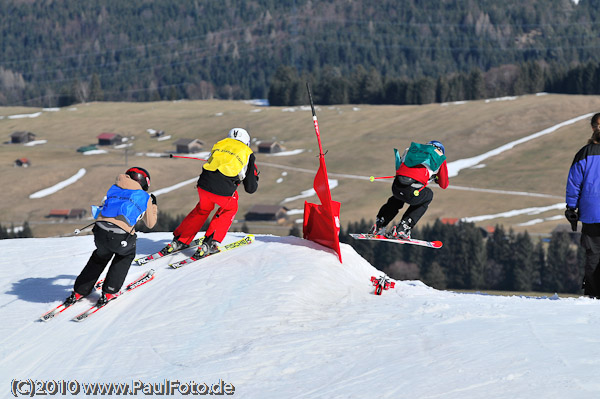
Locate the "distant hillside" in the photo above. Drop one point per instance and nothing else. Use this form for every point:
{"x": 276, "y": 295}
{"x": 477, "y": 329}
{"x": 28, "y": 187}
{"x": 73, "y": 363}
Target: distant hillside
{"x": 70, "y": 51}
{"x": 359, "y": 141}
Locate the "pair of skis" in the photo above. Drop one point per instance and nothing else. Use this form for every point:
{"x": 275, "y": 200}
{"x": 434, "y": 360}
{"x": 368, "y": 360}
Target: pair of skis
{"x": 141, "y": 280}
{"x": 157, "y": 255}
{"x": 379, "y": 237}
{"x": 247, "y": 240}
{"x": 194, "y": 244}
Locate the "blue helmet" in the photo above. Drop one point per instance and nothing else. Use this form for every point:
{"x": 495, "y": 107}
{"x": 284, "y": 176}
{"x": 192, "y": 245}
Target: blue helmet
{"x": 438, "y": 145}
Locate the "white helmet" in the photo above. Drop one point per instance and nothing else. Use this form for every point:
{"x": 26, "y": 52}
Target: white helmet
{"x": 237, "y": 133}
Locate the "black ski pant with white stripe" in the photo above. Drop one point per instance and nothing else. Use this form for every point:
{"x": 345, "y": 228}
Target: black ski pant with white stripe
{"x": 418, "y": 204}
{"x": 108, "y": 246}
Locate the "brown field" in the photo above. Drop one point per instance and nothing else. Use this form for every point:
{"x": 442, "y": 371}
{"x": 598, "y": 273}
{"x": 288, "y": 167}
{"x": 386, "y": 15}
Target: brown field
{"x": 359, "y": 141}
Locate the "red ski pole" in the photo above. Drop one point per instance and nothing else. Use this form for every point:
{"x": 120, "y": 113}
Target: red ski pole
{"x": 179, "y": 156}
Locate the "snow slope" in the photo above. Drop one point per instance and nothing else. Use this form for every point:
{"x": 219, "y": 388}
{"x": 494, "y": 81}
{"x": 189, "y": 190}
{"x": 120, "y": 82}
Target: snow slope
{"x": 282, "y": 318}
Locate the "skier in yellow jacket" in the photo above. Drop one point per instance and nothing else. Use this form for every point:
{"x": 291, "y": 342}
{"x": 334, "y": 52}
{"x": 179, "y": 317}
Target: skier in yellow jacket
{"x": 231, "y": 162}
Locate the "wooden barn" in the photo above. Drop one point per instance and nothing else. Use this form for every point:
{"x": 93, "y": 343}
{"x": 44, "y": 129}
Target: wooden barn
{"x": 267, "y": 213}
{"x": 269, "y": 147}
{"x": 109, "y": 139}
{"x": 21, "y": 137}
{"x": 67, "y": 213}
{"x": 188, "y": 146}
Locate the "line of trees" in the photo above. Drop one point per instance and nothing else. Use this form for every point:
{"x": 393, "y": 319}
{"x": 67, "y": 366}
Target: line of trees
{"x": 364, "y": 86}
{"x": 468, "y": 260}
{"x": 137, "y": 50}
{"x": 12, "y": 232}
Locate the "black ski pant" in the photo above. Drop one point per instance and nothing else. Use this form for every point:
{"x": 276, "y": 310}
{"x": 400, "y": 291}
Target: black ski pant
{"x": 108, "y": 246}
{"x": 418, "y": 204}
{"x": 591, "y": 279}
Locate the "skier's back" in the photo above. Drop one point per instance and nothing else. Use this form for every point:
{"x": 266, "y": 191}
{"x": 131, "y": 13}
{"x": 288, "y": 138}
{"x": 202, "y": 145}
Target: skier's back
{"x": 419, "y": 165}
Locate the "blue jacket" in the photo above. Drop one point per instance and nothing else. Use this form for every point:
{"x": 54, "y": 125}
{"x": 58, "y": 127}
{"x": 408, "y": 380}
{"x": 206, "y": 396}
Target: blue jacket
{"x": 583, "y": 184}
{"x": 130, "y": 204}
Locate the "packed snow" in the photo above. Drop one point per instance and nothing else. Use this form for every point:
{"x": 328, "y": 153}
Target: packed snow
{"x": 59, "y": 186}
{"x": 35, "y": 142}
{"x": 455, "y": 167}
{"x": 526, "y": 211}
{"x": 309, "y": 193}
{"x": 286, "y": 153}
{"x": 282, "y": 318}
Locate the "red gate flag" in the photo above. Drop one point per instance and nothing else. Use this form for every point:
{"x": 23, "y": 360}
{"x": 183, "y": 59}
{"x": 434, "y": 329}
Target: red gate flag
{"x": 322, "y": 222}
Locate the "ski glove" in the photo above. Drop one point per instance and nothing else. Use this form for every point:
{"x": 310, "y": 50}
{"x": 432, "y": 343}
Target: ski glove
{"x": 572, "y": 216}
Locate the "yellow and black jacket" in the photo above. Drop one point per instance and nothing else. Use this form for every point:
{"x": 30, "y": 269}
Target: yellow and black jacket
{"x": 231, "y": 162}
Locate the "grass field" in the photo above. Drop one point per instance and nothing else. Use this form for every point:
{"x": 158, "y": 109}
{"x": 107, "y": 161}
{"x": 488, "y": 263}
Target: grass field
{"x": 358, "y": 139}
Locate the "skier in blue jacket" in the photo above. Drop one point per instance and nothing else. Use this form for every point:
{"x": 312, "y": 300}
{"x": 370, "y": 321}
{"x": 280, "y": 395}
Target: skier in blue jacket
{"x": 126, "y": 203}
{"x": 583, "y": 204}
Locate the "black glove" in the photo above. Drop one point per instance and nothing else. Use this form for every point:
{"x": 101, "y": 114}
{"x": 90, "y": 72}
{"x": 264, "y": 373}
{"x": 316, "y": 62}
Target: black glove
{"x": 573, "y": 217}
{"x": 153, "y": 198}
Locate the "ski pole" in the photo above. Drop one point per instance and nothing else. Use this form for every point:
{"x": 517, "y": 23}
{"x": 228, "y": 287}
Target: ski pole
{"x": 77, "y": 231}
{"x": 179, "y": 156}
{"x": 372, "y": 178}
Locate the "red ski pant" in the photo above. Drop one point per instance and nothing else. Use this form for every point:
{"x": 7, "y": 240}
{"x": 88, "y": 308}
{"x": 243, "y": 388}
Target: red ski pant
{"x": 219, "y": 224}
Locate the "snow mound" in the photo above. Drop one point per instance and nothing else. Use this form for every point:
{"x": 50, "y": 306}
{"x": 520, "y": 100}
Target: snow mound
{"x": 284, "y": 318}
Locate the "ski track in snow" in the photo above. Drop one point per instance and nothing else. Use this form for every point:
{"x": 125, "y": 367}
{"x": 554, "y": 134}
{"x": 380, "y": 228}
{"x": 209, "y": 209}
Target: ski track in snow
{"x": 59, "y": 186}
{"x": 282, "y": 318}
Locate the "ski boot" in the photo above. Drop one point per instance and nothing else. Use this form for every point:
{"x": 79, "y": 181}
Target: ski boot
{"x": 403, "y": 229}
{"x": 207, "y": 248}
{"x": 173, "y": 246}
{"x": 392, "y": 233}
{"x": 378, "y": 228}
{"x": 105, "y": 298}
{"x": 74, "y": 297}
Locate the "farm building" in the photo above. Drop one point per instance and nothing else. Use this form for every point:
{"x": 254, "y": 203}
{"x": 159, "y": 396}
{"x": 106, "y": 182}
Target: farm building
{"x": 67, "y": 213}
{"x": 21, "y": 137}
{"x": 109, "y": 139}
{"x": 269, "y": 147}
{"x": 269, "y": 213}
{"x": 188, "y": 146}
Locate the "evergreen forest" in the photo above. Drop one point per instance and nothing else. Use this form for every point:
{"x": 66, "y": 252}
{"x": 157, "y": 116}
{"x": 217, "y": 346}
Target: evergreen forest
{"x": 472, "y": 259}
{"x": 55, "y": 53}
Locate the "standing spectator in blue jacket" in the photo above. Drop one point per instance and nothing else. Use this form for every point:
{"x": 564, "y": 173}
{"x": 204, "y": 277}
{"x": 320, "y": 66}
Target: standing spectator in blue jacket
{"x": 583, "y": 204}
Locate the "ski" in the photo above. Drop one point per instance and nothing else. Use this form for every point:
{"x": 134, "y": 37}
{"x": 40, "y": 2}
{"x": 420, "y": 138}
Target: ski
{"x": 143, "y": 279}
{"x": 157, "y": 255}
{"x": 62, "y": 307}
{"x": 382, "y": 283}
{"x": 378, "y": 237}
{"x": 249, "y": 239}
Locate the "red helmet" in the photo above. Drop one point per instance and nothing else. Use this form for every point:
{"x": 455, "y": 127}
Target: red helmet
{"x": 140, "y": 175}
